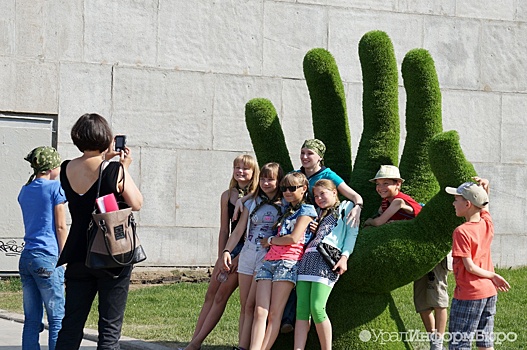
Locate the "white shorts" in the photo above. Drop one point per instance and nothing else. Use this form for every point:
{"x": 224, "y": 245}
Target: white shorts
{"x": 251, "y": 258}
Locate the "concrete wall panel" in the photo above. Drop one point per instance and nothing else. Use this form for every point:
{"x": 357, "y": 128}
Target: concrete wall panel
{"x": 284, "y": 45}
{"x": 8, "y": 85}
{"x": 521, "y": 11}
{"x": 84, "y": 88}
{"x": 178, "y": 246}
{"x": 63, "y": 30}
{"x": 7, "y": 27}
{"x": 386, "y": 5}
{"x": 295, "y": 119}
{"x": 489, "y": 9}
{"x": 464, "y": 111}
{"x": 120, "y": 31}
{"x": 51, "y": 29}
{"x": 159, "y": 182}
{"x": 36, "y": 87}
{"x": 444, "y": 7}
{"x": 202, "y": 177}
{"x": 164, "y": 109}
{"x": 231, "y": 93}
{"x": 346, "y": 28}
{"x": 226, "y": 39}
{"x": 514, "y": 128}
{"x": 511, "y": 251}
{"x": 503, "y": 64}
{"x": 454, "y": 45}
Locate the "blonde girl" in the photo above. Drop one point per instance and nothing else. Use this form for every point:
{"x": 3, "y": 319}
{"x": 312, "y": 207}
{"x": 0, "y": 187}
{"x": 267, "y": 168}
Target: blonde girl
{"x": 264, "y": 208}
{"x": 277, "y": 276}
{"x": 315, "y": 277}
{"x": 243, "y": 181}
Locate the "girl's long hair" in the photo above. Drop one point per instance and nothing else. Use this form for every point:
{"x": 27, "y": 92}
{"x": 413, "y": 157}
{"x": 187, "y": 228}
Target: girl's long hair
{"x": 250, "y": 162}
{"x": 270, "y": 170}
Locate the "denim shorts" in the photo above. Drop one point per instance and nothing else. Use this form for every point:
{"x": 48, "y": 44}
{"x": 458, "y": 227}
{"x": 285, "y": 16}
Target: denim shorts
{"x": 278, "y": 270}
{"x": 251, "y": 258}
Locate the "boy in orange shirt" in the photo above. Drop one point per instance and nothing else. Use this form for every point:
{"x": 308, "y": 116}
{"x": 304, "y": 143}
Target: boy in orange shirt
{"x": 474, "y": 303}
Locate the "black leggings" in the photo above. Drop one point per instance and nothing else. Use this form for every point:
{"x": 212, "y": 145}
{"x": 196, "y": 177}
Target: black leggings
{"x": 82, "y": 284}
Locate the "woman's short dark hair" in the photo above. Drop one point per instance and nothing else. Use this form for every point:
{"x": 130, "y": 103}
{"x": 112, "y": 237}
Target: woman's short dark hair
{"x": 91, "y": 133}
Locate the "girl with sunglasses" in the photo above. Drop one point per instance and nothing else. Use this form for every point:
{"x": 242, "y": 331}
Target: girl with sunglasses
{"x": 277, "y": 276}
{"x": 243, "y": 182}
{"x": 264, "y": 207}
{"x": 315, "y": 277}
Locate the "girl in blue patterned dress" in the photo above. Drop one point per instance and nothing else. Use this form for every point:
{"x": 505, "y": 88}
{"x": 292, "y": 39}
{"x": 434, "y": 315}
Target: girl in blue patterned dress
{"x": 315, "y": 277}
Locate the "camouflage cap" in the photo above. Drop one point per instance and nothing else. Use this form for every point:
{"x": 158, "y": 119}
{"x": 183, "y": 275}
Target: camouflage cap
{"x": 42, "y": 159}
{"x": 315, "y": 145}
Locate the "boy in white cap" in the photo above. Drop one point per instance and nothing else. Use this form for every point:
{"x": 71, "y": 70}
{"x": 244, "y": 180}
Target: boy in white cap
{"x": 474, "y": 303}
{"x": 395, "y": 205}
{"x": 430, "y": 291}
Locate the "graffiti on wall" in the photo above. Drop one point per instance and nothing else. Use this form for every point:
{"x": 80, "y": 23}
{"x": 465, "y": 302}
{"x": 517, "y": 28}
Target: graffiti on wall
{"x": 10, "y": 250}
{"x": 11, "y": 247}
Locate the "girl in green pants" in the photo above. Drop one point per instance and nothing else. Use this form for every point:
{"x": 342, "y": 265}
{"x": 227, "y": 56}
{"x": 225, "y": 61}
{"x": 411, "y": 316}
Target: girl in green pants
{"x": 315, "y": 277}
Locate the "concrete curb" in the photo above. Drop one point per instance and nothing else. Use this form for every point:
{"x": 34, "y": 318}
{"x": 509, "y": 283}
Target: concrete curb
{"x": 126, "y": 343}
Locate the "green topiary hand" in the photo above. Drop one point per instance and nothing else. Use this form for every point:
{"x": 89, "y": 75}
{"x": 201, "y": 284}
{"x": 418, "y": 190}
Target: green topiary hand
{"x": 393, "y": 255}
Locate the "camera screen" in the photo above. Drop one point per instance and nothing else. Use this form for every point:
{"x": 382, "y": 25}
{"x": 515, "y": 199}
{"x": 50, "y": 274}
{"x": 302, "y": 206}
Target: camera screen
{"x": 120, "y": 142}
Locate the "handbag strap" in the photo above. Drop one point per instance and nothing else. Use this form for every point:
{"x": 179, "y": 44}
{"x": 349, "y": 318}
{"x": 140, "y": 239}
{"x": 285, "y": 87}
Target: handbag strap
{"x": 99, "y": 180}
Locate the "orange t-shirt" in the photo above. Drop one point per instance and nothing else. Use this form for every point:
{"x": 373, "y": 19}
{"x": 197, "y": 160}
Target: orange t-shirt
{"x": 472, "y": 240}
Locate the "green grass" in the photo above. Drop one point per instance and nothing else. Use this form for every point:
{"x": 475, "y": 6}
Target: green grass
{"x": 167, "y": 314}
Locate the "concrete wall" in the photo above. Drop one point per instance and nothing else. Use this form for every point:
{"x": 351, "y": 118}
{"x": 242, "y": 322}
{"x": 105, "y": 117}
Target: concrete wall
{"x": 174, "y": 75}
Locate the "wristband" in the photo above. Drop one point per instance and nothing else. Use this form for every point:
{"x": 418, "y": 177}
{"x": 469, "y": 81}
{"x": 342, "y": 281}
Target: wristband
{"x": 226, "y": 251}
{"x": 360, "y": 205}
{"x": 269, "y": 240}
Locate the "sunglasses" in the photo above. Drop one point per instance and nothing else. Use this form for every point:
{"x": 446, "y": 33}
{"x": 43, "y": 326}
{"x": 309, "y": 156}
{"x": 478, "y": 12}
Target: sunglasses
{"x": 289, "y": 188}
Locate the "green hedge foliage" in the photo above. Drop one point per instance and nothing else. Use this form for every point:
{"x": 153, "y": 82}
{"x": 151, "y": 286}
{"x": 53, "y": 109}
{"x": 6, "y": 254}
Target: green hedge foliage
{"x": 328, "y": 110}
{"x": 379, "y": 143}
{"x": 266, "y": 133}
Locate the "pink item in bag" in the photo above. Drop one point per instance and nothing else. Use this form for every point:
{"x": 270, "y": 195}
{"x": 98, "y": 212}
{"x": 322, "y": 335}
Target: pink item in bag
{"x": 107, "y": 203}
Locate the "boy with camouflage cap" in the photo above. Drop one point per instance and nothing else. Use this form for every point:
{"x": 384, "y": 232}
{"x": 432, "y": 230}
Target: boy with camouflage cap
{"x": 42, "y": 202}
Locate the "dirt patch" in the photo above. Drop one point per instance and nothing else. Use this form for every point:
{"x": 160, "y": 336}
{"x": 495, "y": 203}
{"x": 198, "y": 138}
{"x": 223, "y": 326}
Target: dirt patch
{"x": 148, "y": 276}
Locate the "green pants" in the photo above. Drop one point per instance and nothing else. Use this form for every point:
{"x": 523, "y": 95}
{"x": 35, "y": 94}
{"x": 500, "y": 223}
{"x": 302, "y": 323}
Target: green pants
{"x": 311, "y": 300}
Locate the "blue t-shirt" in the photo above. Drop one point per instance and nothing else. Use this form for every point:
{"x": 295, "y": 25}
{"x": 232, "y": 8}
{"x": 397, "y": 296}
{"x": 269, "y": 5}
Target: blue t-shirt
{"x": 324, "y": 173}
{"x": 37, "y": 201}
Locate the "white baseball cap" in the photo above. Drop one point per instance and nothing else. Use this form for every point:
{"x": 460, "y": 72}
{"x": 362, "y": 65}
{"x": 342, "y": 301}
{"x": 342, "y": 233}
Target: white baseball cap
{"x": 472, "y": 192}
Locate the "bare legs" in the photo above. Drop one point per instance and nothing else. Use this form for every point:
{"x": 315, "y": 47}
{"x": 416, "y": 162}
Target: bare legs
{"x": 271, "y": 298}
{"x": 215, "y": 301}
{"x": 435, "y": 324}
{"x": 247, "y": 301}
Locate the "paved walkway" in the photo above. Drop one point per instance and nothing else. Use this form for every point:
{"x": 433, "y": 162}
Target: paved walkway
{"x": 11, "y": 336}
